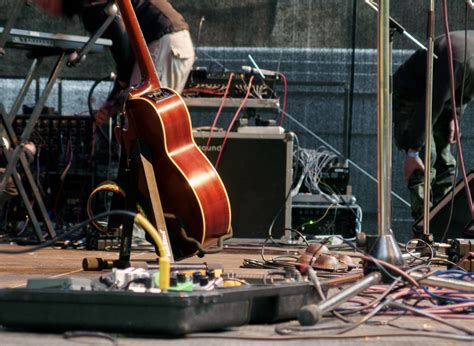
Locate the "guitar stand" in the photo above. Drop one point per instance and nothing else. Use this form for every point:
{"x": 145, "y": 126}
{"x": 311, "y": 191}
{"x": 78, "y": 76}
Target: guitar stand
{"x": 128, "y": 176}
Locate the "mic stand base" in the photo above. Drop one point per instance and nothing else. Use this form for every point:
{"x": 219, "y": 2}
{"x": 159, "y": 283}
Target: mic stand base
{"x": 383, "y": 248}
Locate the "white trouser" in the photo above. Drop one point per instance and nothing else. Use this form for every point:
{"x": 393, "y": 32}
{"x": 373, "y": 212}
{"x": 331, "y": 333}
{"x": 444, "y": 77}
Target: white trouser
{"x": 173, "y": 56}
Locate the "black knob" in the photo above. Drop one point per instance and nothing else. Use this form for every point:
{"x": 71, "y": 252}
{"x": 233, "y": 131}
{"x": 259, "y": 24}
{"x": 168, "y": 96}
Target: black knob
{"x": 196, "y": 277}
{"x": 203, "y": 281}
{"x": 181, "y": 277}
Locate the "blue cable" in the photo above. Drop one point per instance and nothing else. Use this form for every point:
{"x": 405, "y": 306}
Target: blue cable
{"x": 453, "y": 299}
{"x": 454, "y": 273}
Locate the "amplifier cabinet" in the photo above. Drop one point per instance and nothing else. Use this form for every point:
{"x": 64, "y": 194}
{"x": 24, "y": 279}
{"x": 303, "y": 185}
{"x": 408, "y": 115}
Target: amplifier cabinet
{"x": 256, "y": 169}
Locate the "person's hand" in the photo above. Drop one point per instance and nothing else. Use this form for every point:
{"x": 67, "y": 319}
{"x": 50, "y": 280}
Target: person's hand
{"x": 413, "y": 164}
{"x": 452, "y": 133}
{"x": 105, "y": 112}
{"x": 31, "y": 147}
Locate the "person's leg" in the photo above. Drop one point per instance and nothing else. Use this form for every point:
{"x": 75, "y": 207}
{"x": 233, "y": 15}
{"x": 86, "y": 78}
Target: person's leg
{"x": 404, "y": 111}
{"x": 445, "y": 164}
{"x": 173, "y": 56}
{"x": 416, "y": 184}
{"x": 182, "y": 61}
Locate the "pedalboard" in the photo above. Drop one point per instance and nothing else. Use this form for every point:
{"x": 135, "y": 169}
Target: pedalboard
{"x": 174, "y": 313}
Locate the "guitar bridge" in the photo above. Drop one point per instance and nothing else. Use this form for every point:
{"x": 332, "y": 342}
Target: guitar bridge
{"x": 159, "y": 94}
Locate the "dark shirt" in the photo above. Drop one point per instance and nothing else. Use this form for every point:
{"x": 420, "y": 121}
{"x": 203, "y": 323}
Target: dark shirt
{"x": 156, "y": 18}
{"x": 409, "y": 84}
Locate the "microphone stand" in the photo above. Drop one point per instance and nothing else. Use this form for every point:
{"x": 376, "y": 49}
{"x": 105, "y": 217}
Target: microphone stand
{"x": 428, "y": 126}
{"x": 384, "y": 245}
{"x": 399, "y": 28}
{"x": 394, "y": 25}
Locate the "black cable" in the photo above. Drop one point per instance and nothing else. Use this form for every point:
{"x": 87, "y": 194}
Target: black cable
{"x": 425, "y": 245}
{"x": 352, "y": 79}
{"x": 68, "y": 232}
{"x": 270, "y": 228}
{"x": 91, "y": 109}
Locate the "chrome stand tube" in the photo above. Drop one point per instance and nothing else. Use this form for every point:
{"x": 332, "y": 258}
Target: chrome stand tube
{"x": 385, "y": 247}
{"x": 428, "y": 121}
{"x": 384, "y": 119}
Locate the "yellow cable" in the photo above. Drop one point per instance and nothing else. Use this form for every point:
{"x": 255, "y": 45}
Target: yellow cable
{"x": 164, "y": 262}
{"x": 322, "y": 217}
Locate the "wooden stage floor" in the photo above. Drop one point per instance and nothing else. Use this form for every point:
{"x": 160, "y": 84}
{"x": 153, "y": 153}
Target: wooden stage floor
{"x": 15, "y": 270}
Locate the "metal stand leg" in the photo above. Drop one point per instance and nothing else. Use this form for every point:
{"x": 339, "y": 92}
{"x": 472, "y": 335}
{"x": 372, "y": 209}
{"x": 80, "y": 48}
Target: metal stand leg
{"x": 24, "y": 88}
{"x": 139, "y": 159}
{"x": 428, "y": 124}
{"x": 131, "y": 190}
{"x": 25, "y": 199}
{"x": 12, "y": 17}
{"x": 33, "y": 119}
{"x": 309, "y": 315}
{"x": 18, "y": 152}
{"x": 385, "y": 246}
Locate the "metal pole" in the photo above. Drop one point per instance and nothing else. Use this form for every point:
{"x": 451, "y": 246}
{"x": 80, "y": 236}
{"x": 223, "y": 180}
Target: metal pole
{"x": 385, "y": 246}
{"x": 25, "y": 136}
{"x": 436, "y": 281}
{"x": 384, "y": 119}
{"x": 24, "y": 88}
{"x": 309, "y": 315}
{"x": 428, "y": 121}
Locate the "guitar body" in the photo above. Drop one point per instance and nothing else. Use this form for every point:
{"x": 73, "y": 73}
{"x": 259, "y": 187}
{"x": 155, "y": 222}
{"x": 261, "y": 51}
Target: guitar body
{"x": 188, "y": 184}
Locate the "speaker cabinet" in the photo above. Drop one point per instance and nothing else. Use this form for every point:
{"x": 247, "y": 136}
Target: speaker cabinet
{"x": 256, "y": 169}
{"x": 460, "y": 225}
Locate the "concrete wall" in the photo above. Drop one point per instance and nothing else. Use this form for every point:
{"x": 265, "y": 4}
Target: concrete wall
{"x": 308, "y": 40}
{"x": 255, "y": 23}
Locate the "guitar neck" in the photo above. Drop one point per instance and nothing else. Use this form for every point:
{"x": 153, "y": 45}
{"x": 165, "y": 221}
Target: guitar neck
{"x": 142, "y": 55}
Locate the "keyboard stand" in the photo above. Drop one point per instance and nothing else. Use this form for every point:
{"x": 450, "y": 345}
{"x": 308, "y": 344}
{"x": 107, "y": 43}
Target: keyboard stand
{"x": 19, "y": 143}
{"x": 74, "y": 57}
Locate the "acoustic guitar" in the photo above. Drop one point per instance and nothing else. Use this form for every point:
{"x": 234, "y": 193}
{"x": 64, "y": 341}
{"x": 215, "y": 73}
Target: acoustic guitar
{"x": 189, "y": 186}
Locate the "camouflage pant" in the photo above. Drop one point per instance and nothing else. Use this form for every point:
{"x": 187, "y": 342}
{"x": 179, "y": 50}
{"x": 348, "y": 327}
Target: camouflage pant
{"x": 442, "y": 171}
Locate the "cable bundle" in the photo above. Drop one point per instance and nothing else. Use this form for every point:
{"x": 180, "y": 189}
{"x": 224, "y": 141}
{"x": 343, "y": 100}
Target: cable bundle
{"x": 313, "y": 161}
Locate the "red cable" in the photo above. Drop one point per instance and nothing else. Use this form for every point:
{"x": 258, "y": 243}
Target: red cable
{"x": 233, "y": 121}
{"x": 91, "y": 154}
{"x": 282, "y": 76}
{"x": 218, "y": 112}
{"x": 453, "y": 105}
{"x": 67, "y": 155}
